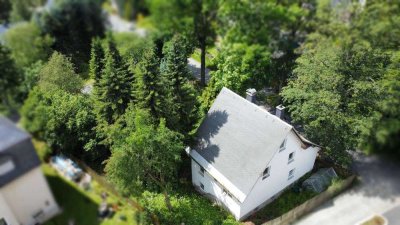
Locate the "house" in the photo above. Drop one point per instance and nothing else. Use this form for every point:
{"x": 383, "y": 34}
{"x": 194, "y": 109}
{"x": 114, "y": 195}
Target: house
{"x": 245, "y": 156}
{"x": 25, "y": 197}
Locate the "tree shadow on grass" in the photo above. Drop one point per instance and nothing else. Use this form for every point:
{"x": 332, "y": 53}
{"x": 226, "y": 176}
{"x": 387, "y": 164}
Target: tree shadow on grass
{"x": 75, "y": 205}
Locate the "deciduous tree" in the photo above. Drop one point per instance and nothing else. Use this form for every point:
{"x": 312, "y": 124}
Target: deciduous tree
{"x": 27, "y": 44}
{"x": 58, "y": 73}
{"x": 9, "y": 78}
{"x": 147, "y": 157}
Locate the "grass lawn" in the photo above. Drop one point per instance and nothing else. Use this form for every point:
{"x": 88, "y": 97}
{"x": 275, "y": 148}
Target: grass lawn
{"x": 80, "y": 205}
{"x": 211, "y": 54}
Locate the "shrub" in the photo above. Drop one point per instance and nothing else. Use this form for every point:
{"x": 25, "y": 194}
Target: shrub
{"x": 190, "y": 209}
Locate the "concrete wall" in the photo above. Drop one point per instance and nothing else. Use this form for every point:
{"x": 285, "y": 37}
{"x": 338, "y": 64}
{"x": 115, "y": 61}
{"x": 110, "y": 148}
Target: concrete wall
{"x": 278, "y": 180}
{"x": 29, "y": 195}
{"x": 214, "y": 190}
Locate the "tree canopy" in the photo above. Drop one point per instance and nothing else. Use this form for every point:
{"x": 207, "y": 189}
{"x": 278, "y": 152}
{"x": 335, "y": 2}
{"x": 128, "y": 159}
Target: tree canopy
{"x": 9, "y": 78}
{"x": 27, "y": 44}
{"x": 73, "y": 24}
{"x": 146, "y": 156}
{"x": 59, "y": 73}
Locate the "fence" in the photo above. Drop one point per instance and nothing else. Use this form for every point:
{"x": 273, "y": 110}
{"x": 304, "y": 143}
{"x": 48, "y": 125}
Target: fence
{"x": 309, "y": 205}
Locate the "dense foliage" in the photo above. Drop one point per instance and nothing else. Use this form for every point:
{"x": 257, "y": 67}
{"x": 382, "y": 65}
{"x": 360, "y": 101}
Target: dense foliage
{"x": 73, "y": 24}
{"x": 340, "y": 80}
{"x": 191, "y": 209}
{"x": 27, "y": 44}
{"x": 144, "y": 155}
{"x": 59, "y": 73}
{"x": 335, "y": 65}
{"x": 9, "y": 79}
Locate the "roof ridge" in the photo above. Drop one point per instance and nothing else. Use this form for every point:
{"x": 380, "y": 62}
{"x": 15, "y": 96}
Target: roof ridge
{"x": 255, "y": 106}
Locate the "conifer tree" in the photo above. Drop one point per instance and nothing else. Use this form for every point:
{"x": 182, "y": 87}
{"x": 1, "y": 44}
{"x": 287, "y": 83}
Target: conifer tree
{"x": 150, "y": 91}
{"x": 113, "y": 89}
{"x": 183, "y": 95}
{"x": 96, "y": 63}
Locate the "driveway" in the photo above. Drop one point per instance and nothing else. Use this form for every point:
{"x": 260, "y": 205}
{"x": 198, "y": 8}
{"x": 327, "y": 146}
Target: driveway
{"x": 378, "y": 192}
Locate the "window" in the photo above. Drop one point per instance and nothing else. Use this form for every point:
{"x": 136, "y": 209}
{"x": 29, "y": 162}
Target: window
{"x": 291, "y": 157}
{"x": 6, "y": 165}
{"x": 291, "y": 174}
{"x": 283, "y": 145}
{"x": 3, "y": 221}
{"x": 202, "y": 171}
{"x": 266, "y": 172}
{"x": 202, "y": 186}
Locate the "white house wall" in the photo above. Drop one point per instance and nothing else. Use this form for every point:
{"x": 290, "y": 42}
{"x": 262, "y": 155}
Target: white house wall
{"x": 265, "y": 189}
{"x": 28, "y": 195}
{"x": 6, "y": 213}
{"x": 212, "y": 187}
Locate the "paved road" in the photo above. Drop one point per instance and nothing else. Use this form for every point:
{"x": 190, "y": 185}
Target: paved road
{"x": 377, "y": 193}
{"x": 393, "y": 216}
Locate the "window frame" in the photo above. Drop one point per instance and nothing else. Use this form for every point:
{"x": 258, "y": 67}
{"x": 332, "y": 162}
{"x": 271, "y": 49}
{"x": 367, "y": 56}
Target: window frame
{"x": 265, "y": 175}
{"x": 202, "y": 186}
{"x": 7, "y": 165}
{"x": 291, "y": 173}
{"x": 291, "y": 159}
{"x": 202, "y": 171}
{"x": 282, "y": 146}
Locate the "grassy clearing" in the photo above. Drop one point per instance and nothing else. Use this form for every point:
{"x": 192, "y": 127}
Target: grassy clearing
{"x": 145, "y": 23}
{"x": 210, "y": 55}
{"x": 79, "y": 205}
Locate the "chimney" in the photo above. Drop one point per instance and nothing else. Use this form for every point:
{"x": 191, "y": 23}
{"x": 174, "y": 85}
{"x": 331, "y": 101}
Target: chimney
{"x": 251, "y": 95}
{"x": 280, "y": 111}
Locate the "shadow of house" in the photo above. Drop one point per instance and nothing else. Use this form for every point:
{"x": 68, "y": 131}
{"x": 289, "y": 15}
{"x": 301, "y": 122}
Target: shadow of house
{"x": 208, "y": 129}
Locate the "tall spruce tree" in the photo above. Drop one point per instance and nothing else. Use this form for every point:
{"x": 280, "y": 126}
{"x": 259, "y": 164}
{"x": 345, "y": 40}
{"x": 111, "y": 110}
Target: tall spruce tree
{"x": 113, "y": 88}
{"x": 150, "y": 91}
{"x": 96, "y": 64}
{"x": 175, "y": 72}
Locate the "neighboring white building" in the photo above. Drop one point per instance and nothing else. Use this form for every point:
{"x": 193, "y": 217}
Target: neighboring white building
{"x": 246, "y": 156}
{"x": 25, "y": 197}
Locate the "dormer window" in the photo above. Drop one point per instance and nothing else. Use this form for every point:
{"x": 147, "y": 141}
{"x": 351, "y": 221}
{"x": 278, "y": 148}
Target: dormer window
{"x": 266, "y": 172}
{"x": 283, "y": 145}
{"x": 6, "y": 165}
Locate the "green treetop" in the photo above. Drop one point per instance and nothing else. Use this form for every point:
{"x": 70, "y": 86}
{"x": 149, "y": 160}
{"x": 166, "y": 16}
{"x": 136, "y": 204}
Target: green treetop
{"x": 58, "y": 73}
{"x": 176, "y": 75}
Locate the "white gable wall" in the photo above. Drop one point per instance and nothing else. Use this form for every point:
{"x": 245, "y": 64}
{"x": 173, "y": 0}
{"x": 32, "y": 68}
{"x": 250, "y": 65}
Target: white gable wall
{"x": 29, "y": 195}
{"x": 6, "y": 213}
{"x": 265, "y": 189}
{"x": 212, "y": 187}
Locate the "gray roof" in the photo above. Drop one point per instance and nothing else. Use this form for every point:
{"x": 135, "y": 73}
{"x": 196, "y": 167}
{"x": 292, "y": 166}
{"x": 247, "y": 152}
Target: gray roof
{"x": 239, "y": 139}
{"x": 16, "y": 145}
